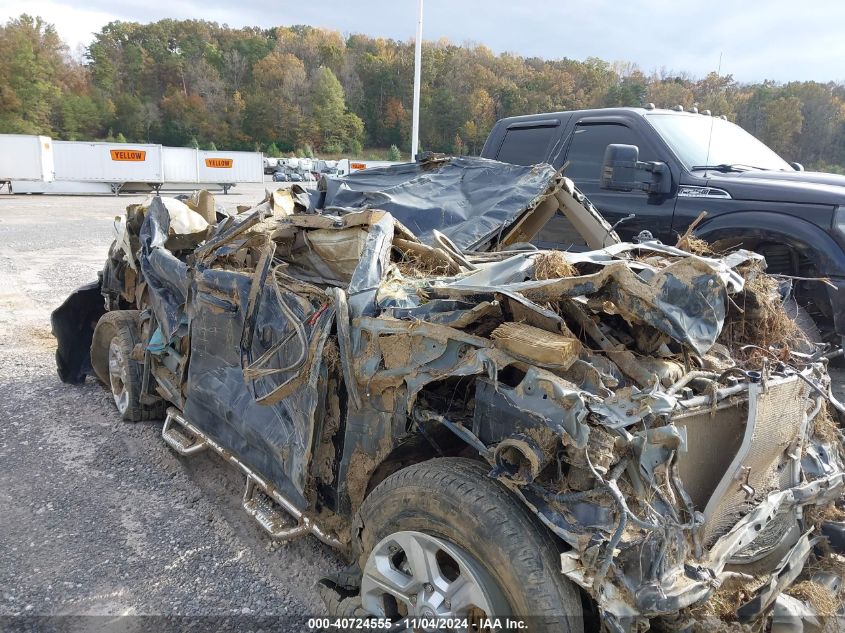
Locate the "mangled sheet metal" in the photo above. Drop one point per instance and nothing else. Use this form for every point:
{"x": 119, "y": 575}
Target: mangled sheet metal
{"x": 621, "y": 396}
{"x": 463, "y": 198}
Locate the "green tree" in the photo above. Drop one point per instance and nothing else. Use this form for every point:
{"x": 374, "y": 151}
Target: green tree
{"x": 630, "y": 91}
{"x": 355, "y": 148}
{"x": 32, "y": 60}
{"x": 393, "y": 154}
{"x": 822, "y": 111}
{"x": 337, "y": 128}
{"x": 80, "y": 117}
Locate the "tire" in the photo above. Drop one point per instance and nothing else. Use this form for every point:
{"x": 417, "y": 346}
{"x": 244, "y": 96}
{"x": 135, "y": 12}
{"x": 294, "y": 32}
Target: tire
{"x": 453, "y": 500}
{"x": 114, "y": 339}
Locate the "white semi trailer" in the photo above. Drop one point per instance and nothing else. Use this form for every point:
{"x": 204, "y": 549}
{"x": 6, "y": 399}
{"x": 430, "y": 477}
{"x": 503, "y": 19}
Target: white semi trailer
{"x": 185, "y": 167}
{"x": 348, "y": 165}
{"x": 228, "y": 168}
{"x": 25, "y": 157}
{"x": 122, "y": 166}
{"x": 100, "y": 167}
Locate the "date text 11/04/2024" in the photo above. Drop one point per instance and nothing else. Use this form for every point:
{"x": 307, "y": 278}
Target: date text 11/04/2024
{"x": 414, "y": 624}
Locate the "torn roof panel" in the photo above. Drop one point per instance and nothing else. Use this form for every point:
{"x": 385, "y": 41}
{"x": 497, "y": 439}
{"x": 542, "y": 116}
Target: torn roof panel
{"x": 463, "y": 197}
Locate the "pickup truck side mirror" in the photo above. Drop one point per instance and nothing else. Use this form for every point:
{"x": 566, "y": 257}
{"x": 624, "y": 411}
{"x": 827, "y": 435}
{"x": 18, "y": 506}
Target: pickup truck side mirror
{"x": 623, "y": 171}
{"x": 797, "y": 166}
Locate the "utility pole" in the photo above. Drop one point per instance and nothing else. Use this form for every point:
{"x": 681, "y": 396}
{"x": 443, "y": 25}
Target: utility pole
{"x": 415, "y": 120}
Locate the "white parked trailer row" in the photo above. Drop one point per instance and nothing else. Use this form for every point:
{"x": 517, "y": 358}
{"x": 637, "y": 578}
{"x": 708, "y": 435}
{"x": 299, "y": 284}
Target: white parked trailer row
{"x": 101, "y": 167}
{"x": 348, "y": 165}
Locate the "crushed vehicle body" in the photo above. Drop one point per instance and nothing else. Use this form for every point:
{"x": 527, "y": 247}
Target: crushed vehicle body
{"x": 652, "y": 409}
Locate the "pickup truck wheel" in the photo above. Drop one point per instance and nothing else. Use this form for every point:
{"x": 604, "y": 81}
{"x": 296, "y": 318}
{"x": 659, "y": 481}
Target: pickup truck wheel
{"x": 440, "y": 539}
{"x": 119, "y": 375}
{"x": 114, "y": 338}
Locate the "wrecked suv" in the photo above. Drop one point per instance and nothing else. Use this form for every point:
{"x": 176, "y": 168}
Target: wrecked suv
{"x": 626, "y": 437}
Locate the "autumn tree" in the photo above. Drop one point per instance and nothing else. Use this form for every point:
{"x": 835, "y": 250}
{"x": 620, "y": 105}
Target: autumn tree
{"x": 667, "y": 92}
{"x": 275, "y": 107}
{"x": 821, "y": 110}
{"x": 397, "y": 122}
{"x": 783, "y": 124}
{"x": 482, "y": 117}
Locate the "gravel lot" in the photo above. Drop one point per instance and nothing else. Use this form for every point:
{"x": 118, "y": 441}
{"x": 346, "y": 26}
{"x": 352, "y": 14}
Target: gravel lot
{"x": 98, "y": 516}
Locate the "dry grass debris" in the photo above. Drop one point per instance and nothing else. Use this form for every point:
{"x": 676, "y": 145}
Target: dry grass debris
{"x": 818, "y": 514}
{"x": 830, "y": 562}
{"x": 418, "y": 264}
{"x": 724, "y": 602}
{"x": 821, "y": 599}
{"x": 825, "y": 428}
{"x": 331, "y": 354}
{"x": 759, "y": 318}
{"x": 692, "y": 244}
{"x": 416, "y": 267}
{"x": 552, "y": 265}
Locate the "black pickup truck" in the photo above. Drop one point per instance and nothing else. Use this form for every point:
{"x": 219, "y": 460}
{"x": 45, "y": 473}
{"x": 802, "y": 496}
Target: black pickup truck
{"x": 666, "y": 166}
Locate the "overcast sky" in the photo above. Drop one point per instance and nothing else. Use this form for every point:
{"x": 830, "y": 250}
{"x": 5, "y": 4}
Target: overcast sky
{"x": 758, "y": 39}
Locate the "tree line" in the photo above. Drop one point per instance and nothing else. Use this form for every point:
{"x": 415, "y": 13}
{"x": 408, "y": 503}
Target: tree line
{"x": 291, "y": 89}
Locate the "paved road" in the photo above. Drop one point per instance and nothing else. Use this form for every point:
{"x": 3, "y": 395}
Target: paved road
{"x": 98, "y": 516}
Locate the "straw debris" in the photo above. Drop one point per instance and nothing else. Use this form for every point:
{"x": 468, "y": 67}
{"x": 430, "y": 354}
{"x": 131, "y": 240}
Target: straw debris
{"x": 331, "y": 354}
{"x": 825, "y": 427}
{"x": 724, "y": 602}
{"x": 821, "y": 599}
{"x": 818, "y": 514}
{"x": 692, "y": 244}
{"x": 760, "y": 319}
{"x": 552, "y": 265}
{"x": 419, "y": 264}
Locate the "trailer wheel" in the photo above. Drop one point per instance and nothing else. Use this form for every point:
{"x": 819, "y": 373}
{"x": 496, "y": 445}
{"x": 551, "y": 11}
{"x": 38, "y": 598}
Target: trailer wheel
{"x": 115, "y": 336}
{"x": 440, "y": 539}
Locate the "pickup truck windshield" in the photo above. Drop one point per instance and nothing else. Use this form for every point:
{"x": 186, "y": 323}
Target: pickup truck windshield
{"x": 690, "y": 137}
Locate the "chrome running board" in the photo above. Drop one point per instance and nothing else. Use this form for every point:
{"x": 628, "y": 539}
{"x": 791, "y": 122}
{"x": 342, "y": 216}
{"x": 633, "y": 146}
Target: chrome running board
{"x": 274, "y": 512}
